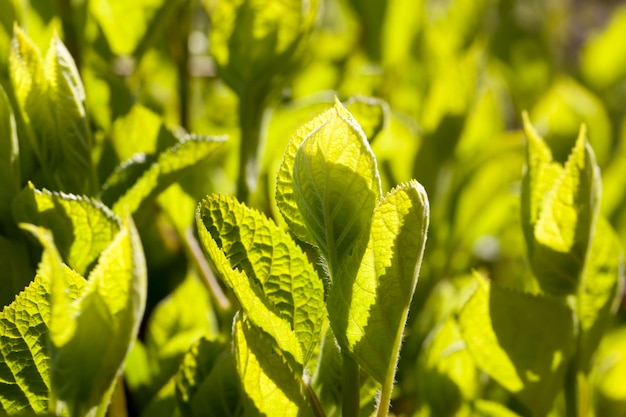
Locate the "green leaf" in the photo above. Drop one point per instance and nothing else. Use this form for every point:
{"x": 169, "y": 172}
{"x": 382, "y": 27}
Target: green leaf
{"x": 601, "y": 288}
{"x": 258, "y": 44}
{"x": 91, "y": 337}
{"x": 483, "y": 408}
{"x": 51, "y": 100}
{"x": 449, "y": 369}
{"x": 609, "y": 389}
{"x": 82, "y": 227}
{"x": 140, "y": 180}
{"x": 368, "y": 312}
{"x": 328, "y": 184}
{"x": 24, "y": 351}
{"x": 9, "y": 158}
{"x": 124, "y": 24}
{"x": 268, "y": 381}
{"x": 371, "y": 114}
{"x": 207, "y": 383}
{"x": 272, "y": 278}
{"x": 522, "y": 341}
{"x": 559, "y": 211}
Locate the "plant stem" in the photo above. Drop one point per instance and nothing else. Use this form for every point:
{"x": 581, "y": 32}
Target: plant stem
{"x": 251, "y": 110}
{"x": 350, "y": 387}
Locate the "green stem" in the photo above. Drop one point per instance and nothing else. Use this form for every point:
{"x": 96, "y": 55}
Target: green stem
{"x": 314, "y": 401}
{"x": 250, "y": 119}
{"x": 350, "y": 387}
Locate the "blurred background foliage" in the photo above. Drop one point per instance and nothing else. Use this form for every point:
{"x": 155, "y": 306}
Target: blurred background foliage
{"x": 450, "y": 79}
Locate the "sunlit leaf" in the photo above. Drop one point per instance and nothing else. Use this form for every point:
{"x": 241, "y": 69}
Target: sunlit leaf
{"x": 369, "y": 311}
{"x": 271, "y": 276}
{"x": 24, "y": 351}
{"x": 328, "y": 184}
{"x": 522, "y": 341}
{"x": 142, "y": 178}
{"x": 82, "y": 227}
{"x": 268, "y": 381}
{"x": 559, "y": 211}
{"x": 52, "y": 103}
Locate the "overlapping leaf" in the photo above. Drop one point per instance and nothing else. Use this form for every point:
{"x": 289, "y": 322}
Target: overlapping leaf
{"x": 24, "y": 350}
{"x": 368, "y": 312}
{"x": 559, "y": 211}
{"x": 141, "y": 179}
{"x": 207, "y": 383}
{"x": 271, "y": 276}
{"x": 82, "y": 227}
{"x": 524, "y": 342}
{"x": 268, "y": 381}
{"x": 51, "y": 100}
{"x": 328, "y": 184}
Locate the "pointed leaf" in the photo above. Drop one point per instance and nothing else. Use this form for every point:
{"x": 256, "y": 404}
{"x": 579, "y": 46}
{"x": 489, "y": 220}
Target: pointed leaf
{"x": 91, "y": 338}
{"x": 9, "y": 157}
{"x": 272, "y": 278}
{"x": 82, "y": 227}
{"x": 268, "y": 381}
{"x": 52, "y": 102}
{"x": 368, "y": 313}
{"x": 131, "y": 185}
{"x": 522, "y": 341}
{"x": 559, "y": 211}
{"x": 24, "y": 351}
{"x": 328, "y": 184}
{"x": 207, "y": 383}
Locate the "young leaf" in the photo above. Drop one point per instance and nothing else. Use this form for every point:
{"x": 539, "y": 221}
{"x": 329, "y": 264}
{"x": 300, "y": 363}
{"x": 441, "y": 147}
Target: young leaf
{"x": 368, "y": 313}
{"x": 268, "y": 381}
{"x": 559, "y": 211}
{"x": 272, "y": 278}
{"x": 371, "y": 114}
{"x": 207, "y": 383}
{"x": 138, "y": 181}
{"x": 328, "y": 184}
{"x": 522, "y": 341}
{"x": 24, "y": 351}
{"x": 51, "y": 100}
{"x": 9, "y": 157}
{"x": 90, "y": 338}
{"x": 82, "y": 227}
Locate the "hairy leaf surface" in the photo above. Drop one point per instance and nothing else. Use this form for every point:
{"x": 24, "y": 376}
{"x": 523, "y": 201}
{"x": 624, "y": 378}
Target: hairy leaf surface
{"x": 328, "y": 184}
{"x": 368, "y": 313}
{"x": 522, "y": 341}
{"x": 270, "y": 275}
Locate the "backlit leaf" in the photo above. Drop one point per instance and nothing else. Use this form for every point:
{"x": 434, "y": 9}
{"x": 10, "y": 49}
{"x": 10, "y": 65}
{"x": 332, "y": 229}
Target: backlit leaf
{"x": 52, "y": 103}
{"x": 270, "y": 275}
{"x": 559, "y": 211}
{"x": 522, "y": 341}
{"x": 268, "y": 381}
{"x": 140, "y": 180}
{"x": 90, "y": 338}
{"x": 24, "y": 350}
{"x": 369, "y": 311}
{"x": 328, "y": 184}
{"x": 82, "y": 227}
